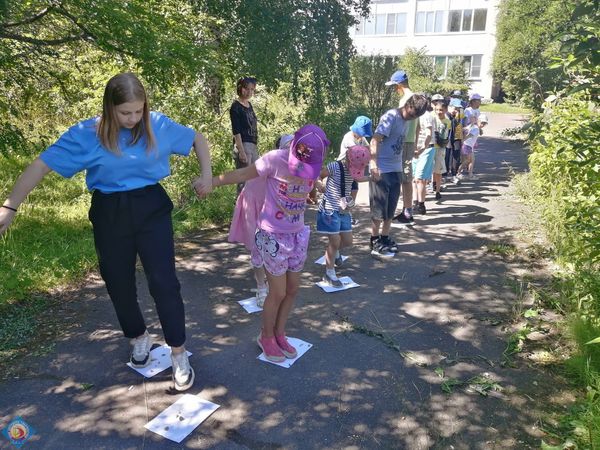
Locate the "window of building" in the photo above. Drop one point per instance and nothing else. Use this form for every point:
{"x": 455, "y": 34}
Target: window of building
{"x": 430, "y": 22}
{"x": 382, "y": 24}
{"x": 369, "y": 25}
{"x": 475, "y": 70}
{"x": 467, "y": 20}
{"x": 454, "y": 21}
{"x": 400, "y": 23}
{"x": 479, "y": 20}
{"x": 472, "y": 64}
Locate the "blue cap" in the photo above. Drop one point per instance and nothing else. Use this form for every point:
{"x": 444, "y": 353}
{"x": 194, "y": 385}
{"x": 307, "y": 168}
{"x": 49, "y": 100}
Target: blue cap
{"x": 456, "y": 103}
{"x": 362, "y": 126}
{"x": 397, "y": 77}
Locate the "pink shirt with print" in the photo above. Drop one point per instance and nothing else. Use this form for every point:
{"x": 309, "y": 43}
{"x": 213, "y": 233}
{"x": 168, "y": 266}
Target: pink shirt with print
{"x": 285, "y": 199}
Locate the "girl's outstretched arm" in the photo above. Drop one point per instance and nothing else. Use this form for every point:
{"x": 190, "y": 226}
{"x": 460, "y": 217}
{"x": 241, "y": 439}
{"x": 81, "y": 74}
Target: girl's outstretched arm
{"x": 29, "y": 179}
{"x": 235, "y": 176}
{"x": 203, "y": 184}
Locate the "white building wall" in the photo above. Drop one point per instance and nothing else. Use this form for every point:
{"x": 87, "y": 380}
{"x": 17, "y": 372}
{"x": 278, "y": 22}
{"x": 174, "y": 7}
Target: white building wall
{"x": 442, "y": 43}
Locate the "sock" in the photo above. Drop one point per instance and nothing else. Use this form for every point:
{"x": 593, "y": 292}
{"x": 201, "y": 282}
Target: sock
{"x": 331, "y": 273}
{"x": 407, "y": 212}
{"x": 421, "y": 203}
{"x": 337, "y": 254}
{"x": 374, "y": 238}
{"x": 384, "y": 238}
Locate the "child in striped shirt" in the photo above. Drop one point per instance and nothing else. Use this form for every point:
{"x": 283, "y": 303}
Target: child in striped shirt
{"x": 334, "y": 217}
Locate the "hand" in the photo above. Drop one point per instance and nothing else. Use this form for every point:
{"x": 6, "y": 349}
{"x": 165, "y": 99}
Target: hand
{"x": 319, "y": 186}
{"x": 6, "y": 218}
{"x": 375, "y": 173}
{"x": 202, "y": 187}
{"x": 242, "y": 156}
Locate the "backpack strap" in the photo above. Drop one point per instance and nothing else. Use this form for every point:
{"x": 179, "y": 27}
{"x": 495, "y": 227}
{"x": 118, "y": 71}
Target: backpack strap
{"x": 343, "y": 178}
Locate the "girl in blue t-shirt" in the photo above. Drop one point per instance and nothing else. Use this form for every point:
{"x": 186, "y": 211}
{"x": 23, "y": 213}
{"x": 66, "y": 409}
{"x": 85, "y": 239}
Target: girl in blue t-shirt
{"x": 125, "y": 153}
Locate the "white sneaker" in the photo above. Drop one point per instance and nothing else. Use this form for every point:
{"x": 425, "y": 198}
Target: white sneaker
{"x": 183, "y": 374}
{"x": 261, "y": 295}
{"x": 140, "y": 354}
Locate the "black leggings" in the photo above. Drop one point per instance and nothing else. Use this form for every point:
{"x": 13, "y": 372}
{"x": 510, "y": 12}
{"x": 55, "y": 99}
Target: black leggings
{"x": 132, "y": 223}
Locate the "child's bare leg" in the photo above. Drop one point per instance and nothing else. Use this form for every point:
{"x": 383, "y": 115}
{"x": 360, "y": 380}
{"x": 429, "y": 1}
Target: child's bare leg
{"x": 286, "y": 305}
{"x": 259, "y": 276}
{"x": 471, "y": 164}
{"x": 415, "y": 190}
{"x": 277, "y": 292}
{"x": 346, "y": 239}
{"x": 437, "y": 179}
{"x": 421, "y": 190}
{"x": 375, "y": 225}
{"x": 332, "y": 248}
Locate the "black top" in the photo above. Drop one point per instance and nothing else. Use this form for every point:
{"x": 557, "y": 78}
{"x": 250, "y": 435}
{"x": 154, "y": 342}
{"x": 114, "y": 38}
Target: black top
{"x": 243, "y": 122}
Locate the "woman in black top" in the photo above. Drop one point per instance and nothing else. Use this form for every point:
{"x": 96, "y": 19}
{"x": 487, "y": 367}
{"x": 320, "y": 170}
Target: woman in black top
{"x": 244, "y": 126}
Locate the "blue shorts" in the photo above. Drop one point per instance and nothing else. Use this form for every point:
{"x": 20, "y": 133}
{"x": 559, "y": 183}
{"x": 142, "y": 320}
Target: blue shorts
{"x": 423, "y": 165}
{"x": 333, "y": 223}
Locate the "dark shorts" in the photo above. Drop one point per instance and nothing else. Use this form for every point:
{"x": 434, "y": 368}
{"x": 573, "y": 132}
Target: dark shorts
{"x": 384, "y": 195}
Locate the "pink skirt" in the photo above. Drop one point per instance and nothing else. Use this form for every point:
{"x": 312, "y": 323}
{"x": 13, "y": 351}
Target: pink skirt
{"x": 247, "y": 212}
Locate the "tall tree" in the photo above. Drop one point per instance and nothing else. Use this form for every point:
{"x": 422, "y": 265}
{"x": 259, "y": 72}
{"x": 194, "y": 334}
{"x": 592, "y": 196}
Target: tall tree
{"x": 305, "y": 42}
{"x": 525, "y": 46}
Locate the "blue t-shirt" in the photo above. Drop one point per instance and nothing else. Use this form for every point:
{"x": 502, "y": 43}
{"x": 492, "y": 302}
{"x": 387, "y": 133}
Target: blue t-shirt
{"x": 80, "y": 149}
{"x": 389, "y": 153}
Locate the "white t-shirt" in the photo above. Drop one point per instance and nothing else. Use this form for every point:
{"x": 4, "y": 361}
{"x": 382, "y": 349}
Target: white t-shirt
{"x": 426, "y": 122}
{"x": 349, "y": 141}
{"x": 471, "y": 135}
{"x": 471, "y": 112}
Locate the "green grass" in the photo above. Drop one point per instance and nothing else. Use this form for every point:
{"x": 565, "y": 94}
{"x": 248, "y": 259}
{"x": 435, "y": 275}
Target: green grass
{"x": 573, "y": 290}
{"x": 506, "y": 108}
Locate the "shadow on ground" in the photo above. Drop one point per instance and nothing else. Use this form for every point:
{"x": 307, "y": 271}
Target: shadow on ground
{"x": 370, "y": 381}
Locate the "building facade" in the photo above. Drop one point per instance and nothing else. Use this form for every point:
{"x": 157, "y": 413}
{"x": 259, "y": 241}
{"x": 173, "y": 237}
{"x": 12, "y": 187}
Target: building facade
{"x": 447, "y": 29}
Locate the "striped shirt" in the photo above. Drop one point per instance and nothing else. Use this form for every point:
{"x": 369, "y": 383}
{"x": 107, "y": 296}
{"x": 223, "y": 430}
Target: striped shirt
{"x": 333, "y": 187}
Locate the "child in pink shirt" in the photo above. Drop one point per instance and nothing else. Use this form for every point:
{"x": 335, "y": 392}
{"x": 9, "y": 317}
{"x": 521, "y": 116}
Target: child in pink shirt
{"x": 245, "y": 220}
{"x": 281, "y": 240}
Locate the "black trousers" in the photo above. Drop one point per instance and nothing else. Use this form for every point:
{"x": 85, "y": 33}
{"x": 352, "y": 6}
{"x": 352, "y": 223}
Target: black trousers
{"x": 132, "y": 223}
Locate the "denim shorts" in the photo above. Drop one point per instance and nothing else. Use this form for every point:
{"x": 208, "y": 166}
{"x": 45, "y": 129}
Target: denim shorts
{"x": 334, "y": 223}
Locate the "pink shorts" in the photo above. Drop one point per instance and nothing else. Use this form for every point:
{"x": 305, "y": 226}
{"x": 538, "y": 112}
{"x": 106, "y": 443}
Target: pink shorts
{"x": 280, "y": 252}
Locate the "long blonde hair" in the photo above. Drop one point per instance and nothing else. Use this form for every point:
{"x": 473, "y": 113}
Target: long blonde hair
{"x": 123, "y": 88}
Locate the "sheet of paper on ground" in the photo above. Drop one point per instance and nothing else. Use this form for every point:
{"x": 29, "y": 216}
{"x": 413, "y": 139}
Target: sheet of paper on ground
{"x": 180, "y": 419}
{"x": 321, "y": 260}
{"x": 301, "y": 347}
{"x": 348, "y": 284}
{"x": 250, "y": 305}
{"x": 160, "y": 359}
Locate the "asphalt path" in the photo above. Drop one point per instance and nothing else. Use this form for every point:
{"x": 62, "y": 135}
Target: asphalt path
{"x": 381, "y": 352}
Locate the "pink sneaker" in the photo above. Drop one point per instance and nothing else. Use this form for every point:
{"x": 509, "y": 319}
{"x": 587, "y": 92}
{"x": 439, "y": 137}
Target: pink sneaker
{"x": 270, "y": 348}
{"x": 288, "y": 350}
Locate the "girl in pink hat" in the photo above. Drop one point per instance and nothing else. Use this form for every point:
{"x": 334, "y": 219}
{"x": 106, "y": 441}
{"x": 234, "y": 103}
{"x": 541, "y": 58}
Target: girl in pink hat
{"x": 281, "y": 240}
{"x": 246, "y": 218}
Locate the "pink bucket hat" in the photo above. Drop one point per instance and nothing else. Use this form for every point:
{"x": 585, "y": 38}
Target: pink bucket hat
{"x": 307, "y": 152}
{"x": 358, "y": 158}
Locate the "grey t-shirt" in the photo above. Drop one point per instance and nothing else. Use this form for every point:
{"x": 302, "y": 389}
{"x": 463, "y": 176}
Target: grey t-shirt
{"x": 389, "y": 154}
